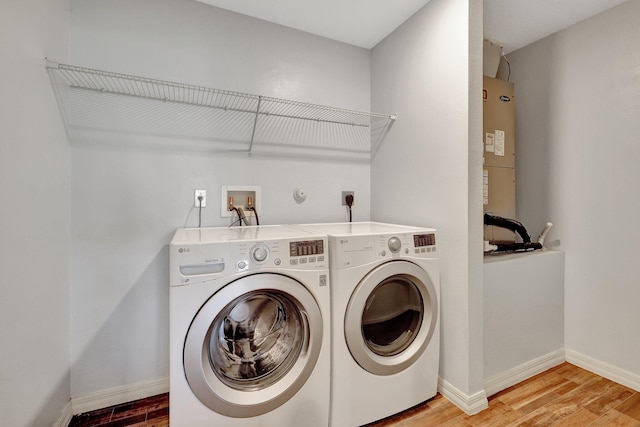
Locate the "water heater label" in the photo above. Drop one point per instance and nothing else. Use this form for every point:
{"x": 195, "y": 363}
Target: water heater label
{"x": 499, "y": 142}
{"x": 485, "y": 187}
{"x": 489, "y": 143}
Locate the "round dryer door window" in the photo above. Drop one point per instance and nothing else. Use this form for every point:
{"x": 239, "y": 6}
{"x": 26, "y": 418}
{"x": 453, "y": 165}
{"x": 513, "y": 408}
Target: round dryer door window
{"x": 391, "y": 317}
{"x": 253, "y": 345}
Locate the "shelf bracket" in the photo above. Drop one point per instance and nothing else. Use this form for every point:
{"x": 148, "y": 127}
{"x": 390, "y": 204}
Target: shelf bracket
{"x": 255, "y": 123}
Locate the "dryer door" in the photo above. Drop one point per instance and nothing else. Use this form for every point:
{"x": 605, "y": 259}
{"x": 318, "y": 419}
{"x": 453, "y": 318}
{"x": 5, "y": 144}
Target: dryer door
{"x": 253, "y": 345}
{"x": 391, "y": 317}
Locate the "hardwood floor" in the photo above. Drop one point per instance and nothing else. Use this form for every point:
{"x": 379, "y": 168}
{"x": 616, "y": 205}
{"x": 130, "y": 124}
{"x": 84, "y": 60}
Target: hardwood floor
{"x": 561, "y": 397}
{"x": 149, "y": 412}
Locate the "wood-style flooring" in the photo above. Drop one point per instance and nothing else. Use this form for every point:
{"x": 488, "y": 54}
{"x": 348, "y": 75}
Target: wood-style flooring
{"x": 149, "y": 412}
{"x": 562, "y": 396}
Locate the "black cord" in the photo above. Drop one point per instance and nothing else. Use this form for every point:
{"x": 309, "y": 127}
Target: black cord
{"x": 349, "y": 200}
{"x": 251, "y": 208}
{"x": 199, "y": 211}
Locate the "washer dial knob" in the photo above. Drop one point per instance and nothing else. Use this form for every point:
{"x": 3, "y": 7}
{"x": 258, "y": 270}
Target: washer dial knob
{"x": 394, "y": 244}
{"x": 259, "y": 253}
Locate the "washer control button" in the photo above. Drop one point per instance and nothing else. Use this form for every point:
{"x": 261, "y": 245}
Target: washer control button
{"x": 242, "y": 265}
{"x": 394, "y": 244}
{"x": 277, "y": 261}
{"x": 259, "y": 253}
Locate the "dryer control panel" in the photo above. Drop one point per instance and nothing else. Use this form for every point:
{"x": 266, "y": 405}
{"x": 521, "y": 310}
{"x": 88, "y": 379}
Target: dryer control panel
{"x": 349, "y": 251}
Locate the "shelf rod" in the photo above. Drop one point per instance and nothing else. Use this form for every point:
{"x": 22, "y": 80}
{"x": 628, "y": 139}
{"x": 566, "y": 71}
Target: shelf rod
{"x": 216, "y": 107}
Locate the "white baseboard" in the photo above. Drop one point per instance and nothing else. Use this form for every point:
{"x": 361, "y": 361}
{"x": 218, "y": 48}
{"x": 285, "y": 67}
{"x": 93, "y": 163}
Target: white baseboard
{"x": 613, "y": 373}
{"x": 65, "y": 416}
{"x": 469, "y": 404}
{"x": 520, "y": 373}
{"x": 117, "y": 395}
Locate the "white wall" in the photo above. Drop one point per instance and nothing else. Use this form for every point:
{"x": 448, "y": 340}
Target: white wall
{"x": 34, "y": 213}
{"x": 427, "y": 171}
{"x": 523, "y": 310}
{"x": 577, "y": 133}
{"x": 131, "y": 191}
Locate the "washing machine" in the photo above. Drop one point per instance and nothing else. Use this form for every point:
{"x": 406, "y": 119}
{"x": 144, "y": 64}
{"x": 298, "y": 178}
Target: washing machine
{"x": 385, "y": 287}
{"x": 249, "y": 327}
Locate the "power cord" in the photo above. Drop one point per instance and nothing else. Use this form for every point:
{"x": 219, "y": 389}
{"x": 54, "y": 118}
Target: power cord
{"x": 199, "y": 211}
{"x": 508, "y": 63}
{"x": 349, "y": 200}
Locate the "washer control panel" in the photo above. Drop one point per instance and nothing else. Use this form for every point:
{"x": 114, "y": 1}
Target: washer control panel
{"x": 298, "y": 254}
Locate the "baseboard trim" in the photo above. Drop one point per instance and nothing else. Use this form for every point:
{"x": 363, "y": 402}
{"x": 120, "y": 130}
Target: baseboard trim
{"x": 613, "y": 373}
{"x": 520, "y": 373}
{"x": 117, "y": 395}
{"x": 65, "y": 416}
{"x": 470, "y": 404}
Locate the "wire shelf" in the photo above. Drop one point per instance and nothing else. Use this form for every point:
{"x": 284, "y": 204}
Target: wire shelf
{"x": 250, "y": 121}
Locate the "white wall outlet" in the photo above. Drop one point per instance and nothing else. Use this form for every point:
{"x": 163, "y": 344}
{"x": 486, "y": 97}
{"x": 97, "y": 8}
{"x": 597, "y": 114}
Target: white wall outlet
{"x": 344, "y": 197}
{"x": 240, "y": 195}
{"x": 196, "y": 198}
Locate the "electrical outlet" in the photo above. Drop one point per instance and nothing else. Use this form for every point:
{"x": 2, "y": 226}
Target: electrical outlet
{"x": 344, "y": 197}
{"x": 200, "y": 193}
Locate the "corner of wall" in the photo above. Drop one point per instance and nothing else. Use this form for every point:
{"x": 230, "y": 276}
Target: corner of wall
{"x": 470, "y": 404}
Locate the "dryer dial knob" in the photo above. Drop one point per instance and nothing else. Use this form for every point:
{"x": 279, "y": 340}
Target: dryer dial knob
{"x": 259, "y": 253}
{"x": 394, "y": 244}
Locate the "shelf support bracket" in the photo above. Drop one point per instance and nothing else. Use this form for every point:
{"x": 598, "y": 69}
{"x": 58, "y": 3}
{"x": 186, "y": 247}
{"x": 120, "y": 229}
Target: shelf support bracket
{"x": 255, "y": 124}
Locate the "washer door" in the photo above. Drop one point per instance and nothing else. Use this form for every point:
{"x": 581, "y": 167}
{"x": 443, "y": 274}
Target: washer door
{"x": 253, "y": 345}
{"x": 391, "y": 317}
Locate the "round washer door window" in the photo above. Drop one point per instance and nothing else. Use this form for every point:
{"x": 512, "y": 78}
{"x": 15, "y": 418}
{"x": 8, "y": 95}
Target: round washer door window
{"x": 391, "y": 317}
{"x": 253, "y": 345}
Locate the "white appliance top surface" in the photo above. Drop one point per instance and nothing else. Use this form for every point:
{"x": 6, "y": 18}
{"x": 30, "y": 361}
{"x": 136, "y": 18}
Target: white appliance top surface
{"x": 184, "y": 236}
{"x": 361, "y": 228}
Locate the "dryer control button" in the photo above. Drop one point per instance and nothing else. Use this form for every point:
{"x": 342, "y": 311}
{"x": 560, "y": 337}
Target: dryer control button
{"x": 394, "y": 244}
{"x": 242, "y": 265}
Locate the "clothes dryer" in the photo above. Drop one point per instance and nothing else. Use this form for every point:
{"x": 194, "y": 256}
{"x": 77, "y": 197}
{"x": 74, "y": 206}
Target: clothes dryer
{"x": 385, "y": 319}
{"x": 249, "y": 327}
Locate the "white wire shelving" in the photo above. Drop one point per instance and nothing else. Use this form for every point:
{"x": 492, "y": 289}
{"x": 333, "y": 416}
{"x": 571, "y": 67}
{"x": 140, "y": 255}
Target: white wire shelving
{"x": 93, "y": 98}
